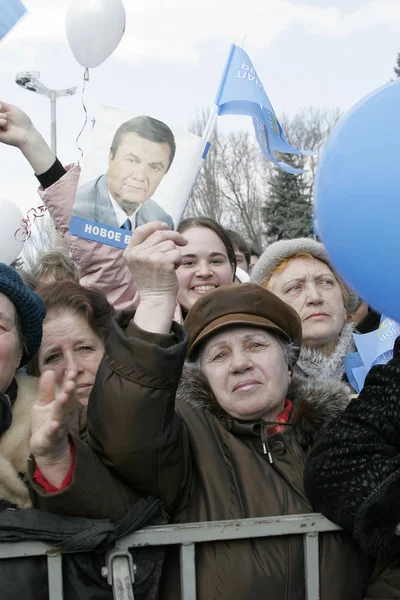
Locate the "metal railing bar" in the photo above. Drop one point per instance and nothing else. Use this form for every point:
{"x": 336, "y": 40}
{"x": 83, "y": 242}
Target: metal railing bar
{"x": 121, "y": 579}
{"x": 187, "y": 535}
{"x": 228, "y": 530}
{"x": 54, "y": 574}
{"x": 29, "y": 548}
{"x": 188, "y": 571}
{"x": 195, "y": 532}
{"x": 311, "y": 565}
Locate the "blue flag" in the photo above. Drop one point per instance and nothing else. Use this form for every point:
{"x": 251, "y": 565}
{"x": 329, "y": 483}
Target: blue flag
{"x": 10, "y": 13}
{"x": 241, "y": 93}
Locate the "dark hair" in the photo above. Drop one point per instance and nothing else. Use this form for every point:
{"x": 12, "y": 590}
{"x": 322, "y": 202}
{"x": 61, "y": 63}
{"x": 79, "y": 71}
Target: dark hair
{"x": 149, "y": 129}
{"x": 91, "y": 304}
{"x": 254, "y": 251}
{"x": 239, "y": 243}
{"x": 214, "y": 226}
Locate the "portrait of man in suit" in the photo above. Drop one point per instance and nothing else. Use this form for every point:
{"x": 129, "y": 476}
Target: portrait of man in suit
{"x": 141, "y": 153}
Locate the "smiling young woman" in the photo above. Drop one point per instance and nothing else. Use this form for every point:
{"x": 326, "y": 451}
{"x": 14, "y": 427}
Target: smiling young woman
{"x": 208, "y": 260}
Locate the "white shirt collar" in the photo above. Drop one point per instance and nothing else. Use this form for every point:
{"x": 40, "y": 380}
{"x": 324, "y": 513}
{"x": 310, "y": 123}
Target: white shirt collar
{"x": 121, "y": 215}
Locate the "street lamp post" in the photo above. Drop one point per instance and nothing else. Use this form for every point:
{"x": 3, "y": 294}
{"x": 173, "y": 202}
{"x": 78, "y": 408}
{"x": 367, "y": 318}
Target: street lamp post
{"x": 30, "y": 81}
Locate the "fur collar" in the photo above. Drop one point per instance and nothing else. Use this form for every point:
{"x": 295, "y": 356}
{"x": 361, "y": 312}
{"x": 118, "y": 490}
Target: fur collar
{"x": 317, "y": 365}
{"x": 315, "y": 402}
{"x": 14, "y": 444}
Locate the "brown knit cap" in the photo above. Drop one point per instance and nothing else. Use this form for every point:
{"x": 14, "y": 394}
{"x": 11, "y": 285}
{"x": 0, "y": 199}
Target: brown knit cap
{"x": 242, "y": 304}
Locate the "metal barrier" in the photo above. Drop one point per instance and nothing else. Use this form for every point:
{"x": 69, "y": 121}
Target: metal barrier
{"x": 120, "y": 570}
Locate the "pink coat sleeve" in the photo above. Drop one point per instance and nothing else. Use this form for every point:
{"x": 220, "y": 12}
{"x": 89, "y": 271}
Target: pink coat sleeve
{"x": 100, "y": 266}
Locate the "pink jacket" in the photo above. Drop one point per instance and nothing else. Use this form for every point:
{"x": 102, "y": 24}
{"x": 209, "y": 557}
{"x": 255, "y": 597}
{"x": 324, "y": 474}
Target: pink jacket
{"x": 100, "y": 266}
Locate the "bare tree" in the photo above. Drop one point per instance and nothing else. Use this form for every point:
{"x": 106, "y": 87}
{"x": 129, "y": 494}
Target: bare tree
{"x": 229, "y": 185}
{"x": 243, "y": 184}
{"x": 206, "y": 198}
{"x": 308, "y": 129}
{"x": 240, "y": 189}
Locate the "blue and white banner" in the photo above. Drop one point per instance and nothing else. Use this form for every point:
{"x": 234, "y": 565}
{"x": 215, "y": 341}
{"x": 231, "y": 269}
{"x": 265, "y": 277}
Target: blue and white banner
{"x": 10, "y": 13}
{"x": 99, "y": 232}
{"x": 374, "y": 348}
{"x": 242, "y": 93}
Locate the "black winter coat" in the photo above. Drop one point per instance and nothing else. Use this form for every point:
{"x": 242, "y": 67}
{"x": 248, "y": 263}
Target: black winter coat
{"x": 87, "y": 540}
{"x": 353, "y": 472}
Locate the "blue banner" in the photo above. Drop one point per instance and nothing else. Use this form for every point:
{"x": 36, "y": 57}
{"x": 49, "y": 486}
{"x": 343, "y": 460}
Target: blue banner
{"x": 99, "y": 232}
{"x": 10, "y": 13}
{"x": 242, "y": 93}
{"x": 374, "y": 348}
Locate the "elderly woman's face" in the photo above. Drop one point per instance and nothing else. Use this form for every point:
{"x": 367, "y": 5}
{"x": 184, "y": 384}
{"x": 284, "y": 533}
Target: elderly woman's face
{"x": 310, "y": 287}
{"x": 70, "y": 344}
{"x": 247, "y": 372}
{"x": 10, "y": 346}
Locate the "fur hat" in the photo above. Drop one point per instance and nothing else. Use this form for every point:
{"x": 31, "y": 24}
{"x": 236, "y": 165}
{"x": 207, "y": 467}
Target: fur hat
{"x": 242, "y": 304}
{"x": 277, "y": 252}
{"x": 29, "y": 306}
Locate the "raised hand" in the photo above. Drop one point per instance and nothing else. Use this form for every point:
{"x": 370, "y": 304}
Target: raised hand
{"x": 16, "y": 129}
{"x": 153, "y": 256}
{"x": 51, "y": 417}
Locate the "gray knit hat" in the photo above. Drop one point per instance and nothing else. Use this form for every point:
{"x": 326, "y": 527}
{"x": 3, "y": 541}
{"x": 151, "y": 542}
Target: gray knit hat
{"x": 279, "y": 251}
{"x": 29, "y": 306}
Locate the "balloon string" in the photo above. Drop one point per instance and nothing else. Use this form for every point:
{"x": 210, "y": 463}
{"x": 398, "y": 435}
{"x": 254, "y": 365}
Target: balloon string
{"x": 85, "y": 79}
{"x": 24, "y": 232}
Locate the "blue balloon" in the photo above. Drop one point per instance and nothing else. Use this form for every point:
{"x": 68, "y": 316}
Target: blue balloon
{"x": 357, "y": 199}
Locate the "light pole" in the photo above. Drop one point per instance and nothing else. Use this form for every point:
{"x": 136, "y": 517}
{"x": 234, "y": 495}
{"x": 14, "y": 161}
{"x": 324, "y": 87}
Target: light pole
{"x": 30, "y": 81}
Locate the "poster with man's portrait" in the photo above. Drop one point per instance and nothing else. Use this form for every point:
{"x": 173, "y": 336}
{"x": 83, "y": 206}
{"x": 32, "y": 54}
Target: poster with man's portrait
{"x": 137, "y": 169}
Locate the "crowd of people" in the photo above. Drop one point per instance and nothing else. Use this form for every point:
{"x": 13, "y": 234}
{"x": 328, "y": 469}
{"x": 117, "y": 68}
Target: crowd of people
{"x": 199, "y": 371}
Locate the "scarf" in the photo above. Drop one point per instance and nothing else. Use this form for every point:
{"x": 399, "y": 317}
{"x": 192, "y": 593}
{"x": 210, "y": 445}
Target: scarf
{"x": 315, "y": 364}
{"x": 283, "y": 417}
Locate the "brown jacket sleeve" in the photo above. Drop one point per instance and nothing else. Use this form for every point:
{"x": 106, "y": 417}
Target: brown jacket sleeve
{"x": 95, "y": 491}
{"x": 384, "y": 583}
{"x": 132, "y": 423}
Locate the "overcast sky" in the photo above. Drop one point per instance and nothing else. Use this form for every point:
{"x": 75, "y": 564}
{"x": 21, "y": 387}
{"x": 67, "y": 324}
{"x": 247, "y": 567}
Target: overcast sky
{"x": 169, "y": 63}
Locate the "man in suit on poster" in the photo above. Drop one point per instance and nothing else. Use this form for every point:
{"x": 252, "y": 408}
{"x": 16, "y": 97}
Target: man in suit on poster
{"x": 141, "y": 153}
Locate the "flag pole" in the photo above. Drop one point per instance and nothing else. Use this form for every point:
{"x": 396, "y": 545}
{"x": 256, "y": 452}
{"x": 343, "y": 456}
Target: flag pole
{"x": 210, "y": 125}
{"x": 224, "y": 74}
{"x": 211, "y": 122}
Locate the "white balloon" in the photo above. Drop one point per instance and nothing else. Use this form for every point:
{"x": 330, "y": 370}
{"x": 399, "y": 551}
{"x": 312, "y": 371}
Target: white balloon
{"x": 10, "y": 223}
{"x": 94, "y": 29}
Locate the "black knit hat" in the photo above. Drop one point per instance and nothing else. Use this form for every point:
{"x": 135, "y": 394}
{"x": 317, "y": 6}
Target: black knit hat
{"x": 30, "y": 308}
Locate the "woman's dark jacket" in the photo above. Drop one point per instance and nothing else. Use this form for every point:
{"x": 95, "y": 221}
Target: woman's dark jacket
{"x": 353, "y": 472}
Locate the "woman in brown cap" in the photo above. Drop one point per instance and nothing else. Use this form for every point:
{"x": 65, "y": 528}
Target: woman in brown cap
{"x": 232, "y": 441}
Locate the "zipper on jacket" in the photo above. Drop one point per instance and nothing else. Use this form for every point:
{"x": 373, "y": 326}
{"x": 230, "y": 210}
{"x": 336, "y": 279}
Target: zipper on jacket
{"x": 264, "y": 441}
